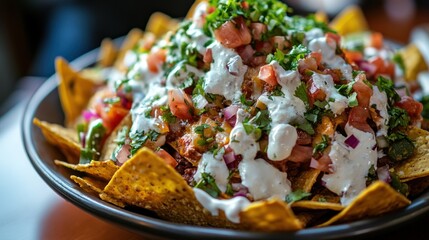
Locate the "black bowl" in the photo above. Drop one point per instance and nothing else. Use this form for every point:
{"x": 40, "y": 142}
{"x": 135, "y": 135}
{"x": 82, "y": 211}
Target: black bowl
{"x": 45, "y": 105}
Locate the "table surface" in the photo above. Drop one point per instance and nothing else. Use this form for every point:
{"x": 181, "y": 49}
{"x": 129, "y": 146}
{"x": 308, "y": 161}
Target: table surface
{"x": 29, "y": 209}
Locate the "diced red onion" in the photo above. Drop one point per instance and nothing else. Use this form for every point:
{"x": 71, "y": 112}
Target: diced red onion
{"x": 123, "y": 154}
{"x": 352, "y": 141}
{"x": 368, "y": 67}
{"x": 383, "y": 174}
{"x": 82, "y": 137}
{"x": 239, "y": 190}
{"x": 229, "y": 157}
{"x": 230, "y": 113}
{"x": 89, "y": 115}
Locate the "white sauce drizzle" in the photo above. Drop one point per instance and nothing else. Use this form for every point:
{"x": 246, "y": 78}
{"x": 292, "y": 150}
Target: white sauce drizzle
{"x": 216, "y": 167}
{"x": 379, "y": 99}
{"x": 180, "y": 73}
{"x": 329, "y": 57}
{"x": 231, "y": 207}
{"x": 326, "y": 83}
{"x": 350, "y": 166}
{"x": 226, "y": 73}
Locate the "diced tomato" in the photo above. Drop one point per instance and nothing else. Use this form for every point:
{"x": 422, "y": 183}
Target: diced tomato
{"x": 279, "y": 42}
{"x": 233, "y": 33}
{"x": 377, "y": 40}
{"x": 353, "y": 56}
{"x": 357, "y": 118}
{"x": 363, "y": 91}
{"x": 208, "y": 56}
{"x": 413, "y": 107}
{"x": 246, "y": 53}
{"x": 180, "y": 104}
{"x": 314, "y": 93}
{"x": 111, "y": 114}
{"x": 156, "y": 59}
{"x": 258, "y": 30}
{"x": 303, "y": 138}
{"x": 333, "y": 37}
{"x": 210, "y": 9}
{"x": 268, "y": 75}
{"x": 316, "y": 55}
{"x": 167, "y": 157}
{"x": 263, "y": 47}
{"x": 306, "y": 65}
{"x": 382, "y": 67}
{"x": 245, "y": 5}
{"x": 300, "y": 154}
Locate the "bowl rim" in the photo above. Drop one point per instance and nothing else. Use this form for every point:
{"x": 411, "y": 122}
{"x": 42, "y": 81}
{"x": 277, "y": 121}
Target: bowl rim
{"x": 147, "y": 225}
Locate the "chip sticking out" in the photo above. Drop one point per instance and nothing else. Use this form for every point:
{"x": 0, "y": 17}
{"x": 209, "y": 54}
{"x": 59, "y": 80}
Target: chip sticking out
{"x": 413, "y": 60}
{"x": 130, "y": 41}
{"x": 315, "y": 205}
{"x": 418, "y": 165}
{"x": 147, "y": 181}
{"x": 350, "y": 20}
{"x": 111, "y": 142}
{"x": 160, "y": 23}
{"x": 65, "y": 139}
{"x": 305, "y": 179}
{"x": 108, "y": 53}
{"x": 88, "y": 184}
{"x": 75, "y": 90}
{"x": 270, "y": 216}
{"x": 103, "y": 170}
{"x": 377, "y": 199}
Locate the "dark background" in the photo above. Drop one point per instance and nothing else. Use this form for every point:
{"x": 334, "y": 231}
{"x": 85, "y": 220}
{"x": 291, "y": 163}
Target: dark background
{"x": 34, "y": 32}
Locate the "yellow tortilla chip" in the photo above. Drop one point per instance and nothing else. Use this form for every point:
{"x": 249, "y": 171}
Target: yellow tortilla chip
{"x": 305, "y": 180}
{"x": 315, "y": 205}
{"x": 160, "y": 23}
{"x": 417, "y": 186}
{"x": 413, "y": 61}
{"x": 75, "y": 90}
{"x": 90, "y": 185}
{"x": 147, "y": 181}
{"x": 270, "y": 216}
{"x": 130, "y": 41}
{"x": 418, "y": 165}
{"x": 350, "y": 20}
{"x": 65, "y": 139}
{"x": 377, "y": 199}
{"x": 101, "y": 169}
{"x": 110, "y": 144}
{"x": 108, "y": 53}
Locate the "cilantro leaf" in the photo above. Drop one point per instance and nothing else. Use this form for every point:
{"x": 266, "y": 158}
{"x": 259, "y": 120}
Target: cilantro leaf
{"x": 140, "y": 138}
{"x": 301, "y": 93}
{"x": 289, "y": 61}
{"x": 208, "y": 184}
{"x": 398, "y": 118}
{"x": 386, "y": 85}
{"x": 322, "y": 145}
{"x": 352, "y": 99}
{"x": 296, "y": 196}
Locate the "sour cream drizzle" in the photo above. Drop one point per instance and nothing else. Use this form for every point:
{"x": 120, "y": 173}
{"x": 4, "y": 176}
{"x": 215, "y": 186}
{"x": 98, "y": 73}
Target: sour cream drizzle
{"x": 379, "y": 99}
{"x": 350, "y": 165}
{"x": 336, "y": 101}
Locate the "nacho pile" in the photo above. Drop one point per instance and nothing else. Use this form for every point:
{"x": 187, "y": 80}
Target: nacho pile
{"x": 245, "y": 116}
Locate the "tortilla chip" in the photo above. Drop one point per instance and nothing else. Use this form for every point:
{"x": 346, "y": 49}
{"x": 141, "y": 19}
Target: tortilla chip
{"x": 350, "y": 20}
{"x": 147, "y": 181}
{"x": 377, "y": 199}
{"x": 413, "y": 60}
{"x": 316, "y": 205}
{"x": 130, "y": 41}
{"x": 418, "y": 165}
{"x": 160, "y": 23}
{"x": 417, "y": 186}
{"x": 75, "y": 90}
{"x": 100, "y": 169}
{"x": 88, "y": 184}
{"x": 325, "y": 195}
{"x": 305, "y": 180}
{"x": 270, "y": 216}
{"x": 65, "y": 139}
{"x": 108, "y": 53}
{"x": 110, "y": 144}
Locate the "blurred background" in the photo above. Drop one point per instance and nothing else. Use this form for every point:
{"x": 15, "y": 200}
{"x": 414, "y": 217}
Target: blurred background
{"x": 34, "y": 32}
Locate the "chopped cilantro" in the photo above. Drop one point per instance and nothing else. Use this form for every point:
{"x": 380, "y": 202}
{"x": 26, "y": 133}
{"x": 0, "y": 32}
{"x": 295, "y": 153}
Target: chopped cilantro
{"x": 386, "y": 85}
{"x": 345, "y": 89}
{"x": 301, "y": 93}
{"x": 167, "y": 116}
{"x": 353, "y": 102}
{"x": 122, "y": 136}
{"x": 372, "y": 174}
{"x": 398, "y": 118}
{"x": 289, "y": 61}
{"x": 245, "y": 102}
{"x": 307, "y": 127}
{"x": 277, "y": 91}
{"x": 296, "y": 196}
{"x": 208, "y": 184}
{"x": 200, "y": 129}
{"x": 140, "y": 138}
{"x": 262, "y": 120}
{"x": 249, "y": 128}
{"x": 322, "y": 145}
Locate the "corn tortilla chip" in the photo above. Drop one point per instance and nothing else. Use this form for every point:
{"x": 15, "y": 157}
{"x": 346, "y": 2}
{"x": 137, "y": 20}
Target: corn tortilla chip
{"x": 108, "y": 53}
{"x": 100, "y": 169}
{"x": 417, "y": 186}
{"x": 75, "y": 90}
{"x": 316, "y": 205}
{"x": 413, "y": 61}
{"x": 65, "y": 139}
{"x": 375, "y": 200}
{"x": 305, "y": 180}
{"x": 418, "y": 165}
{"x": 270, "y": 216}
{"x": 147, "y": 181}
{"x": 88, "y": 184}
{"x": 350, "y": 20}
{"x": 160, "y": 23}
